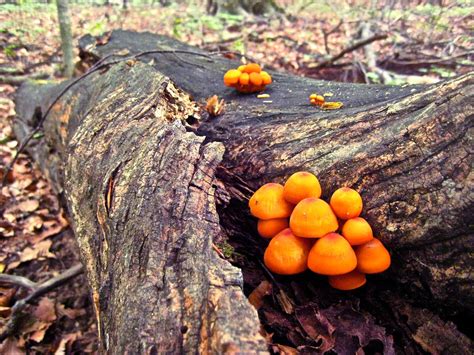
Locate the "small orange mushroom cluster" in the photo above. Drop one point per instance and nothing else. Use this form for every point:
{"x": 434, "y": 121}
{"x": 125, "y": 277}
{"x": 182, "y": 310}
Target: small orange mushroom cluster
{"x": 247, "y": 78}
{"x": 303, "y": 232}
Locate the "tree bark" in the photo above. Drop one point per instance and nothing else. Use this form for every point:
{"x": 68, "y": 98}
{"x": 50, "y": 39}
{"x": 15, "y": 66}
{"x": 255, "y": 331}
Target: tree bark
{"x": 64, "y": 19}
{"x": 142, "y": 188}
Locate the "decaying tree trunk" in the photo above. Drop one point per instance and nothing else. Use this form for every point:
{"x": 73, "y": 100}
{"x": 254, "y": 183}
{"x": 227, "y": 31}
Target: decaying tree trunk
{"x": 148, "y": 194}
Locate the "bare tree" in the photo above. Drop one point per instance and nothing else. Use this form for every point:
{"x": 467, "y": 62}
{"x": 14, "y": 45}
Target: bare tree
{"x": 64, "y": 19}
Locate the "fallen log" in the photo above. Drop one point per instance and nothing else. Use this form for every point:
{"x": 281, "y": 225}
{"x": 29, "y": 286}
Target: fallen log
{"x": 148, "y": 190}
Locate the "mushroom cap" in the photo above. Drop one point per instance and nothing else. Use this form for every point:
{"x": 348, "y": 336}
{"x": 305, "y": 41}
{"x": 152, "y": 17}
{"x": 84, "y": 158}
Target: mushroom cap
{"x": 349, "y": 281}
{"x": 252, "y": 68}
{"x": 357, "y": 231}
{"x": 372, "y": 257}
{"x": 346, "y": 203}
{"x": 301, "y": 185}
{"x": 255, "y": 79}
{"x": 244, "y": 79}
{"x": 287, "y": 254}
{"x": 268, "y": 202}
{"x": 313, "y": 218}
{"x": 332, "y": 255}
{"x": 231, "y": 77}
{"x": 267, "y": 79}
{"x": 271, "y": 227}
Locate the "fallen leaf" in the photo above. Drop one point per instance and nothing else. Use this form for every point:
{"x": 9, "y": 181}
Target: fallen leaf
{"x": 10, "y": 347}
{"x": 262, "y": 290}
{"x": 33, "y": 223}
{"x": 6, "y": 295}
{"x": 342, "y": 329}
{"x": 285, "y": 302}
{"x": 28, "y": 205}
{"x": 69, "y": 312}
{"x": 46, "y": 233}
{"x": 2, "y": 267}
{"x": 331, "y": 105}
{"x": 38, "y": 335}
{"x": 5, "y": 311}
{"x": 39, "y": 251}
{"x": 68, "y": 338}
{"x": 285, "y": 350}
{"x": 215, "y": 107}
{"x": 46, "y": 310}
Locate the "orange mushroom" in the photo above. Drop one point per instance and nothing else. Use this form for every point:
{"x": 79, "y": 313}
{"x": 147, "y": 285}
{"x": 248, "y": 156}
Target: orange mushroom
{"x": 271, "y": 227}
{"x": 301, "y": 185}
{"x": 247, "y": 78}
{"x": 313, "y": 218}
{"x": 349, "y": 281}
{"x": 357, "y": 231}
{"x": 346, "y": 203}
{"x": 232, "y": 77}
{"x": 252, "y": 68}
{"x": 332, "y": 255}
{"x": 268, "y": 202}
{"x": 372, "y": 257}
{"x": 287, "y": 254}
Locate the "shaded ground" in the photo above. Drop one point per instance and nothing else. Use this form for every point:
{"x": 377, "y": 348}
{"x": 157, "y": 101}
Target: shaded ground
{"x": 426, "y": 42}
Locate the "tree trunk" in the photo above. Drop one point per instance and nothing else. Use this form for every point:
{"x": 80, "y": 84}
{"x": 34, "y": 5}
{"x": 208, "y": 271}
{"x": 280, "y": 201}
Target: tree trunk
{"x": 64, "y": 19}
{"x": 243, "y": 7}
{"x": 142, "y": 188}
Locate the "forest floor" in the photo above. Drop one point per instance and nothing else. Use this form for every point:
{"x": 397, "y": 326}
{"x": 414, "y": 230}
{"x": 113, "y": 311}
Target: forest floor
{"x": 423, "y": 44}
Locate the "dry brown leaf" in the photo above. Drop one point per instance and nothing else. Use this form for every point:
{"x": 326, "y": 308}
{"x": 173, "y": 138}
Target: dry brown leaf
{"x": 262, "y": 290}
{"x": 28, "y": 205}
{"x": 215, "y": 107}
{"x": 38, "y": 335}
{"x": 46, "y": 310}
{"x": 7, "y": 232}
{"x": 5, "y": 311}
{"x": 6, "y": 295}
{"x": 33, "y": 223}
{"x": 285, "y": 302}
{"x": 39, "y": 251}
{"x": 10, "y": 347}
{"x": 285, "y": 350}
{"x": 331, "y": 105}
{"x": 48, "y": 232}
{"x": 69, "y": 312}
{"x": 68, "y": 338}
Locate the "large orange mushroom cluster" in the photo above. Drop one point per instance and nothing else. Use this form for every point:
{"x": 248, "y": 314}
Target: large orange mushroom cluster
{"x": 303, "y": 231}
{"x": 247, "y": 78}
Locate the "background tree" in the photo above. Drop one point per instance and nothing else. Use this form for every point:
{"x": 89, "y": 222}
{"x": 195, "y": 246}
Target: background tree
{"x": 64, "y": 19}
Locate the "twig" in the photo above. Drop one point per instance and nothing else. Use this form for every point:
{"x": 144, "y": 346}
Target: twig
{"x": 18, "y": 281}
{"x": 38, "y": 291}
{"x": 432, "y": 61}
{"x": 355, "y": 46}
{"x": 327, "y": 34}
{"x": 20, "y": 79}
{"x": 93, "y": 69}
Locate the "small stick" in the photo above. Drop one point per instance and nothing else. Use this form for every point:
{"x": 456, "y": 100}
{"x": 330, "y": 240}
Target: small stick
{"x": 38, "y": 291}
{"x": 352, "y": 48}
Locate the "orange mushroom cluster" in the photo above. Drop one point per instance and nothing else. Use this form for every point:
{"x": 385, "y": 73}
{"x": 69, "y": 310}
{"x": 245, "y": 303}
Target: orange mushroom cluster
{"x": 247, "y": 78}
{"x": 303, "y": 231}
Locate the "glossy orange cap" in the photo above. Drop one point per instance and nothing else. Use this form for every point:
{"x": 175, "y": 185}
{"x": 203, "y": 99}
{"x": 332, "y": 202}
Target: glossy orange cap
{"x": 271, "y": 227}
{"x": 313, "y": 218}
{"x": 346, "y": 203}
{"x": 301, "y": 185}
{"x": 349, "y": 281}
{"x": 268, "y": 202}
{"x": 357, "y": 231}
{"x": 287, "y": 254}
{"x": 332, "y": 255}
{"x": 372, "y": 257}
